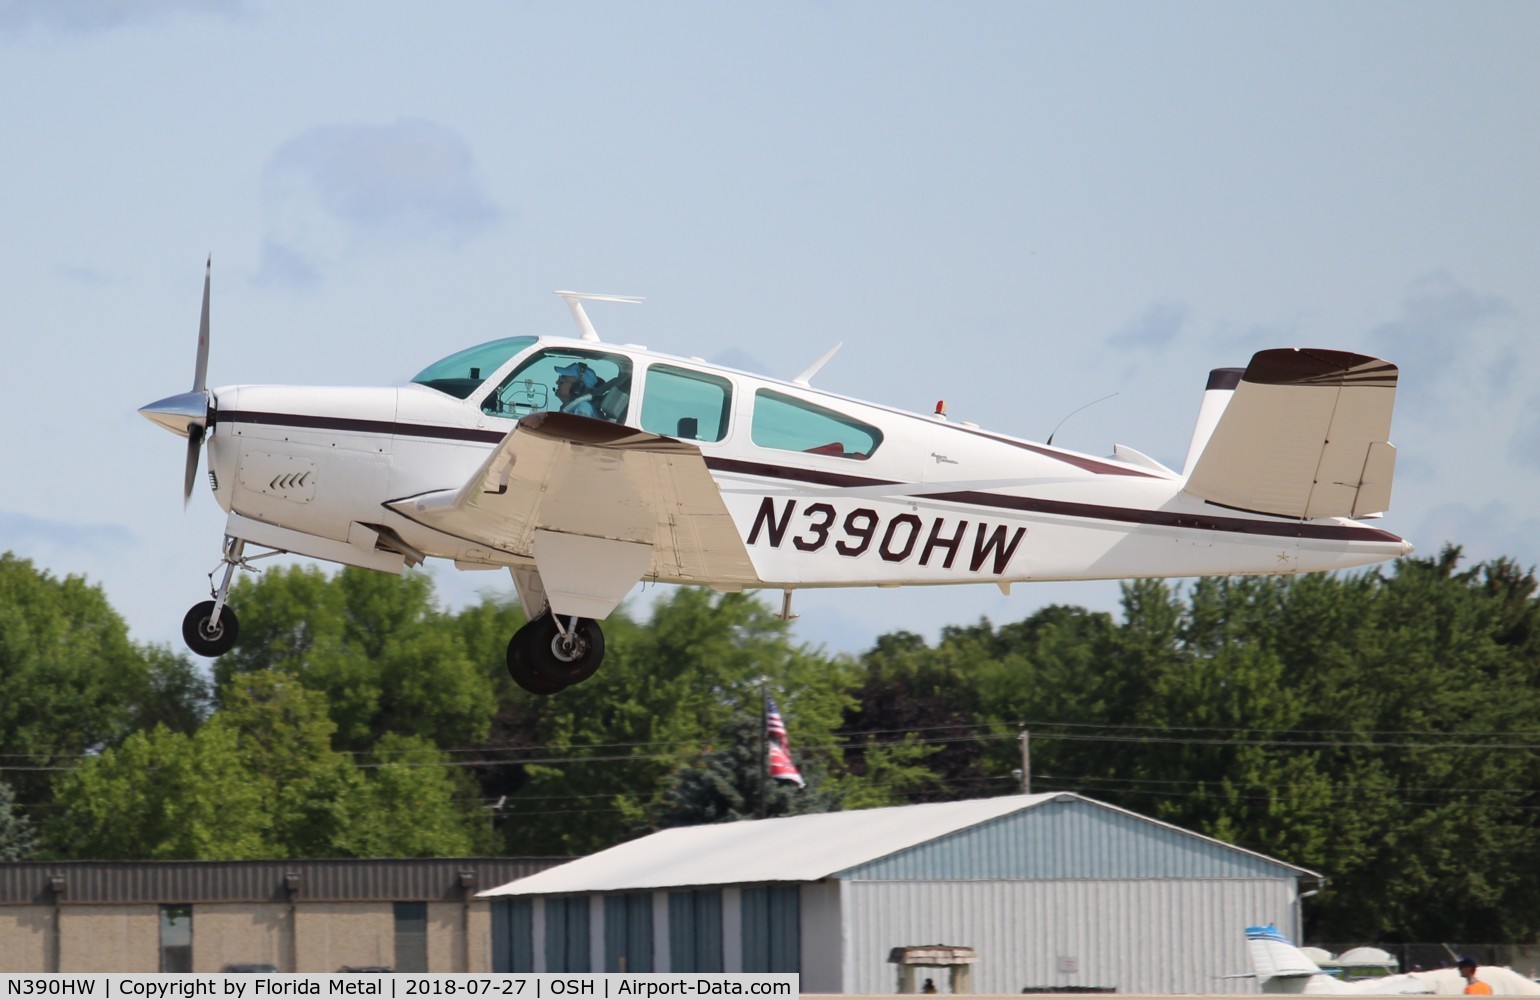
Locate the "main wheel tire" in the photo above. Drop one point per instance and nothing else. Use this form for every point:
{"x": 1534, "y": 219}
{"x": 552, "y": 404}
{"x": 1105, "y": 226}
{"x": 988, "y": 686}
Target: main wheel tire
{"x": 573, "y": 657}
{"x": 524, "y": 672}
{"x": 207, "y": 640}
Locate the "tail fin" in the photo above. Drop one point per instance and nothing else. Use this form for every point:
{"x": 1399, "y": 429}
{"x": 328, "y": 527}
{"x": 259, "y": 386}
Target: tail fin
{"x": 1306, "y": 435}
{"x": 1280, "y": 967}
{"x": 1216, "y": 396}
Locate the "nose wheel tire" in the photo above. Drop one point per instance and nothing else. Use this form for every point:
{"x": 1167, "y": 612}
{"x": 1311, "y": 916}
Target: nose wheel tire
{"x": 207, "y": 639}
{"x": 543, "y": 659}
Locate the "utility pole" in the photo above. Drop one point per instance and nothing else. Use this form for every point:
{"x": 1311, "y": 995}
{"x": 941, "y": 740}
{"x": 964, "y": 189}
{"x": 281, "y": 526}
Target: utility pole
{"x": 1024, "y": 738}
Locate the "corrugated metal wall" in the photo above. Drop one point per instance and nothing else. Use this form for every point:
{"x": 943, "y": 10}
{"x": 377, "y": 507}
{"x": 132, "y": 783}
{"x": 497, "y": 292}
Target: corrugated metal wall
{"x": 513, "y": 936}
{"x": 628, "y": 939}
{"x": 427, "y": 879}
{"x": 1072, "y": 838}
{"x": 695, "y": 931}
{"x": 568, "y": 929}
{"x": 1134, "y": 935}
{"x": 771, "y": 920}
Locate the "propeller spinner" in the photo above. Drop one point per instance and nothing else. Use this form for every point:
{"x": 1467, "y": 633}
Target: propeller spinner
{"x": 187, "y": 413}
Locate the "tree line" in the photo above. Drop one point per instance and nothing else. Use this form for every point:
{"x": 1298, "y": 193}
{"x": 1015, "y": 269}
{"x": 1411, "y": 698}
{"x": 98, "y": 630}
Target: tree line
{"x": 1380, "y": 728}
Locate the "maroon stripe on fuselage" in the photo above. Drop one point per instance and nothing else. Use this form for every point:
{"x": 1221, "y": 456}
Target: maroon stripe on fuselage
{"x": 357, "y": 425}
{"x": 972, "y": 498}
{"x": 1067, "y": 508}
{"x": 1167, "y": 519}
{"x": 814, "y": 476}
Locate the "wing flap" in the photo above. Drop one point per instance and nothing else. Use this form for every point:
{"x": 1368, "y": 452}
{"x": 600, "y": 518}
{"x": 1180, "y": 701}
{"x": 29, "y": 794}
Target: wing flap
{"x": 563, "y": 474}
{"x": 1306, "y": 435}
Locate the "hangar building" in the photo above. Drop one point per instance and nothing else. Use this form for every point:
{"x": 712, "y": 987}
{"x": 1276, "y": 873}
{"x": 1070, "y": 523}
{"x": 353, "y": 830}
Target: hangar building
{"x": 410, "y": 915}
{"x": 1050, "y": 891}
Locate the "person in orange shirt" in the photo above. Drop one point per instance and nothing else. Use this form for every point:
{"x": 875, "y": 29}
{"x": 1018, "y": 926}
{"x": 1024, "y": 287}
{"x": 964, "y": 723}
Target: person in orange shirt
{"x": 1473, "y": 986}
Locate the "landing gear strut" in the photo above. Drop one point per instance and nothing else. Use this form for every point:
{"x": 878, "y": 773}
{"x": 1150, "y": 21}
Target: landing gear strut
{"x": 210, "y": 627}
{"x": 552, "y": 653}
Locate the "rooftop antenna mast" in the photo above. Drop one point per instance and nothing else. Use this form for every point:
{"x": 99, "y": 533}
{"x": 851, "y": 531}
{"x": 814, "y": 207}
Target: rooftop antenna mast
{"x": 806, "y": 378}
{"x": 575, "y": 302}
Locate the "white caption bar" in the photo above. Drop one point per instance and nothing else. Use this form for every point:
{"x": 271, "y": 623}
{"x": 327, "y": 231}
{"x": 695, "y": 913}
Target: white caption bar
{"x": 399, "y": 985}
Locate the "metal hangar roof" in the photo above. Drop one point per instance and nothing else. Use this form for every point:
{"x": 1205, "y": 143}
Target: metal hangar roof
{"x": 1049, "y": 835}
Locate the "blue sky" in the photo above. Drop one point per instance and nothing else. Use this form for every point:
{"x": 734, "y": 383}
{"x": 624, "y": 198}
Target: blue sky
{"x": 1015, "y": 207}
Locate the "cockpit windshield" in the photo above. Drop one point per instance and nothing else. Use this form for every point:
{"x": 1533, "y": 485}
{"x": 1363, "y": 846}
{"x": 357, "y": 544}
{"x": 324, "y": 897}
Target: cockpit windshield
{"x": 461, "y": 373}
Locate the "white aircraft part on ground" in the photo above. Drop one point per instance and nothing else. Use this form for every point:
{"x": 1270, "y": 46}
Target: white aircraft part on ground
{"x": 1281, "y": 967}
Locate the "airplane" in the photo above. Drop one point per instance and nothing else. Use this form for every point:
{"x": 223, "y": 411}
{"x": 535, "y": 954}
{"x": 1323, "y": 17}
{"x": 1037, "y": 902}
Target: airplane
{"x": 582, "y": 467}
{"x": 1280, "y": 967}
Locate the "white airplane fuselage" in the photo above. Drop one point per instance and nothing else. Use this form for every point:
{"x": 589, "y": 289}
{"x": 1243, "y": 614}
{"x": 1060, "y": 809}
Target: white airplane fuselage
{"x": 311, "y": 470}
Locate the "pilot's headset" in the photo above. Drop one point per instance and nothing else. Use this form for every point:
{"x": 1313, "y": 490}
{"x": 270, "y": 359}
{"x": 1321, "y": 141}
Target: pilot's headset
{"x": 587, "y": 378}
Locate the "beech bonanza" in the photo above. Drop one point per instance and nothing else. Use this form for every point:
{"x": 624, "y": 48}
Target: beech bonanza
{"x": 583, "y": 467}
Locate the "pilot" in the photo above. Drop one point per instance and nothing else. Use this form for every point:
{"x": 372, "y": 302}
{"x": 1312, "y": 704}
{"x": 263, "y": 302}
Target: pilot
{"x": 575, "y": 385}
{"x": 1473, "y": 986}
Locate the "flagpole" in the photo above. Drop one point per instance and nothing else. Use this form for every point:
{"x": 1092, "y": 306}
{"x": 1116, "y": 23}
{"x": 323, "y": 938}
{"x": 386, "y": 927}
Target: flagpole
{"x": 764, "y": 749}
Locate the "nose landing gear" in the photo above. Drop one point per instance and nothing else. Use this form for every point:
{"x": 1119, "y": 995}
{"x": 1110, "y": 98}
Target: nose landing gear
{"x": 550, "y": 654}
{"x": 210, "y": 628}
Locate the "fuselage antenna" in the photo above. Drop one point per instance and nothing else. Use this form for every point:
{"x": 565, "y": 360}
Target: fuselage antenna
{"x": 575, "y": 302}
{"x": 807, "y": 376}
{"x": 1076, "y": 410}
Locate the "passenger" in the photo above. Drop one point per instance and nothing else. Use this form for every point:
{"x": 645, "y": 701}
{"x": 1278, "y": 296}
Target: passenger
{"x": 1473, "y": 986}
{"x": 575, "y": 386}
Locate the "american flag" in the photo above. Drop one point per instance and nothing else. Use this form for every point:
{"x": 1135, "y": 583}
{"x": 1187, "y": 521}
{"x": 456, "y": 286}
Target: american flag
{"x": 781, "y": 767}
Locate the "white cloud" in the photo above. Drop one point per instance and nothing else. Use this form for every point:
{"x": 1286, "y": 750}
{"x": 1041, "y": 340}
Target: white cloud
{"x": 1159, "y": 325}
{"x": 337, "y": 190}
{"x": 83, "y": 17}
{"x": 34, "y": 536}
{"x": 1445, "y": 339}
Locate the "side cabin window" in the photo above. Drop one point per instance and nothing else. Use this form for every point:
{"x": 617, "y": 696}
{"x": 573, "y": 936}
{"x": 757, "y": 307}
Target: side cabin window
{"x": 686, "y": 404}
{"x": 791, "y": 424}
{"x": 587, "y": 383}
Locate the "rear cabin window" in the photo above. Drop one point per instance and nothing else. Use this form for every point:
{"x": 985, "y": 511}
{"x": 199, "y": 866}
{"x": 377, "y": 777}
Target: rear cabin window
{"x": 686, "y": 404}
{"x": 790, "y": 424}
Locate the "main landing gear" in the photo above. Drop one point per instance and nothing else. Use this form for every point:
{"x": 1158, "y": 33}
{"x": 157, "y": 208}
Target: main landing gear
{"x": 552, "y": 653}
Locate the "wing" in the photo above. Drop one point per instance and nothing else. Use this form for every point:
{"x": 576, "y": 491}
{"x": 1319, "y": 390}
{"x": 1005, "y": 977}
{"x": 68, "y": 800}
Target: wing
{"x": 1306, "y": 435}
{"x": 586, "y": 498}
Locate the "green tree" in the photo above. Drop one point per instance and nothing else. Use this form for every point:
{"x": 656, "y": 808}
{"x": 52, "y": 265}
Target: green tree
{"x": 910, "y": 731}
{"x": 610, "y": 748}
{"x": 176, "y": 693}
{"x": 73, "y": 682}
{"x": 412, "y": 803}
{"x": 284, "y": 735}
{"x": 17, "y": 838}
{"x": 386, "y": 658}
{"x": 260, "y": 779}
{"x": 728, "y": 781}
{"x": 162, "y": 795}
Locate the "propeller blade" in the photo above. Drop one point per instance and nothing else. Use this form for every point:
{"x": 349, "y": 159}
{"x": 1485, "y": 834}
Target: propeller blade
{"x": 201, "y": 372}
{"x": 194, "y": 446}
